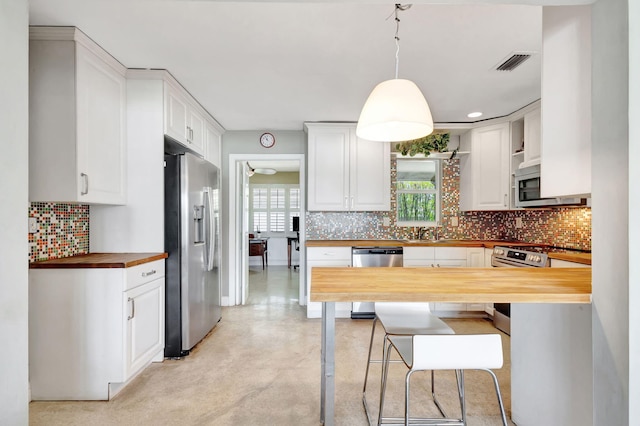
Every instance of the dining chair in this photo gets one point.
(445, 352)
(402, 319)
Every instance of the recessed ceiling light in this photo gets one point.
(474, 114)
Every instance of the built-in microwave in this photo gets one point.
(527, 190)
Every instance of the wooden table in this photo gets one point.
(455, 285)
(291, 241)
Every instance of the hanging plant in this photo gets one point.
(435, 142)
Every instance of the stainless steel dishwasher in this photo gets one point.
(362, 257)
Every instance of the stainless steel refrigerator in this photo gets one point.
(192, 240)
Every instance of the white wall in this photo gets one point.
(14, 188)
(634, 208)
(610, 210)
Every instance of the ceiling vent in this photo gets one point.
(513, 61)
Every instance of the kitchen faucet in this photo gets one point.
(436, 231)
(418, 232)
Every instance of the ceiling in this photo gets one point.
(273, 66)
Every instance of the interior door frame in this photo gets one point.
(239, 259)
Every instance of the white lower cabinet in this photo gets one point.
(92, 329)
(447, 257)
(145, 324)
(318, 257)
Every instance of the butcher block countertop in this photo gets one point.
(569, 256)
(456, 285)
(99, 260)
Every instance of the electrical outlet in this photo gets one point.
(518, 222)
(386, 221)
(33, 225)
(454, 220)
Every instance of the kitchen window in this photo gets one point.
(418, 184)
(273, 208)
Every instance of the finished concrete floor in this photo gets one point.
(261, 366)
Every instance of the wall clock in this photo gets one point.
(267, 140)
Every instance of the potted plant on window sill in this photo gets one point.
(430, 146)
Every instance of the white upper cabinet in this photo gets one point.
(77, 119)
(184, 118)
(213, 144)
(566, 102)
(484, 173)
(532, 134)
(346, 173)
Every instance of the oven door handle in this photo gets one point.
(503, 263)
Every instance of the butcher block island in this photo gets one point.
(95, 321)
(468, 285)
(543, 286)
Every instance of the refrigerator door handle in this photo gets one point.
(210, 236)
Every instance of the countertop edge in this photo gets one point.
(99, 261)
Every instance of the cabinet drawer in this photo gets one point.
(459, 253)
(329, 253)
(418, 253)
(144, 273)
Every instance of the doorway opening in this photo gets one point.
(266, 194)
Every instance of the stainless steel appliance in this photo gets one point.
(514, 257)
(527, 187)
(364, 257)
(192, 217)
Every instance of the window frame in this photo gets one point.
(288, 210)
(437, 192)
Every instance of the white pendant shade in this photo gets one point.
(396, 111)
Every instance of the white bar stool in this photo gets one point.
(405, 319)
(440, 352)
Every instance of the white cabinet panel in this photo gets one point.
(318, 257)
(184, 119)
(145, 324)
(475, 257)
(175, 115)
(454, 253)
(213, 144)
(532, 138)
(328, 160)
(346, 173)
(557, 263)
(484, 173)
(566, 102)
(77, 140)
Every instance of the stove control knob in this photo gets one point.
(536, 259)
(499, 252)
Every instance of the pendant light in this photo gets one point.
(396, 110)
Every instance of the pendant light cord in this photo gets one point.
(397, 38)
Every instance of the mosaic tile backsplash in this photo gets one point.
(562, 227)
(63, 231)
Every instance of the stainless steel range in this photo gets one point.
(514, 257)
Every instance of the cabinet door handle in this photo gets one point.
(505, 200)
(151, 272)
(346, 202)
(85, 184)
(133, 308)
(351, 203)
